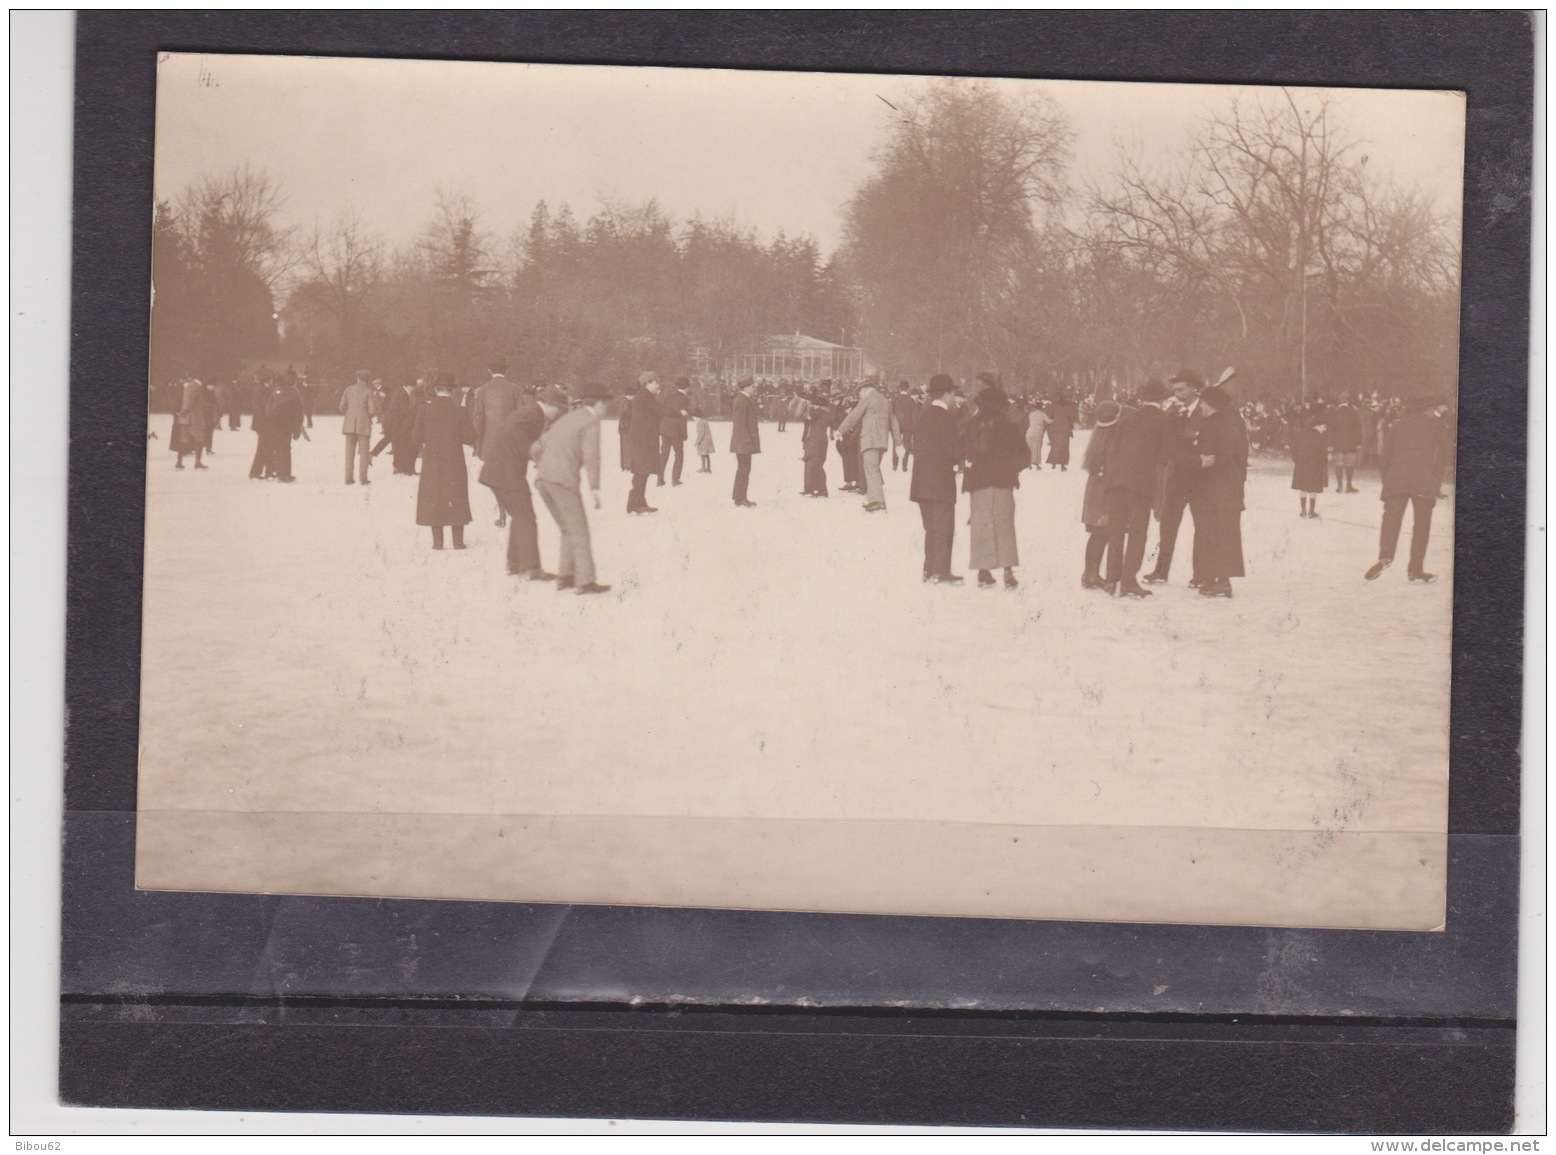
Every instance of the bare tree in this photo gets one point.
(1272, 243)
(232, 253)
(938, 237)
(345, 266)
(229, 221)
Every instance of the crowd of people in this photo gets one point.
(1174, 447)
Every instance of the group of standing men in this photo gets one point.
(278, 420)
(654, 425)
(510, 429)
(1181, 446)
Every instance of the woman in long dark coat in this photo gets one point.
(1310, 464)
(1223, 451)
(996, 453)
(1059, 434)
(442, 430)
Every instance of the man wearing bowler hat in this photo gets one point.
(491, 403)
(1181, 473)
(745, 439)
(503, 472)
(1415, 458)
(571, 445)
(1223, 454)
(1129, 475)
(936, 454)
(359, 405)
(643, 442)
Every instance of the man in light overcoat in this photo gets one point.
(360, 405)
(877, 426)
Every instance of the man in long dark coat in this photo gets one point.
(504, 471)
(1129, 477)
(1223, 452)
(285, 425)
(489, 404)
(443, 428)
(814, 440)
(398, 421)
(1180, 476)
(936, 454)
(745, 440)
(260, 398)
(672, 430)
(1415, 459)
(643, 442)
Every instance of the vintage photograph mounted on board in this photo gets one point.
(802, 491)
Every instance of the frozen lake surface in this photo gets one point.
(305, 650)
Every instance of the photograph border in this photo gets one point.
(1438, 1026)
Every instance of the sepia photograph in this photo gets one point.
(867, 493)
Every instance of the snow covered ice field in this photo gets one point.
(329, 705)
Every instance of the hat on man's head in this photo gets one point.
(498, 364)
(990, 379)
(1186, 377)
(745, 383)
(1425, 401)
(554, 396)
(646, 377)
(1108, 413)
(1218, 398)
(595, 392)
(991, 399)
(442, 379)
(1153, 390)
(940, 384)
(682, 383)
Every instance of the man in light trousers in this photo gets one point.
(360, 405)
(570, 445)
(877, 426)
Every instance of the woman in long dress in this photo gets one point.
(1310, 464)
(191, 425)
(1059, 433)
(996, 453)
(443, 428)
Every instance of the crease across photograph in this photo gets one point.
(800, 491)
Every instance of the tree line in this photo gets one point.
(1268, 244)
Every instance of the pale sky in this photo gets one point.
(772, 149)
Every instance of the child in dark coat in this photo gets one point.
(1310, 468)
